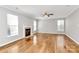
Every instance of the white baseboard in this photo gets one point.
(51, 33)
(64, 34)
(15, 40)
(32, 35)
(9, 42)
(72, 39)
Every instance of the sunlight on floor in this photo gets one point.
(60, 43)
(13, 49)
(34, 39)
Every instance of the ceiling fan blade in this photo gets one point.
(51, 14)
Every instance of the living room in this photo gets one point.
(22, 22)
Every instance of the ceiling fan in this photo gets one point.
(47, 14)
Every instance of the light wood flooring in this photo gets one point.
(42, 43)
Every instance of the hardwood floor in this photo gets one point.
(42, 43)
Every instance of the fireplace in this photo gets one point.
(27, 31)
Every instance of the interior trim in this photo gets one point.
(72, 39)
(51, 33)
(15, 40)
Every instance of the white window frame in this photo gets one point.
(60, 25)
(9, 25)
(35, 25)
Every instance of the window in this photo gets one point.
(60, 25)
(12, 21)
(35, 25)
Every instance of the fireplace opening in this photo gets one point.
(27, 32)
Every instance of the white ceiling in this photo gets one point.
(59, 11)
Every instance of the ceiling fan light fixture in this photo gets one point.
(47, 14)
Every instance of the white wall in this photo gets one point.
(72, 26)
(23, 21)
(48, 26)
